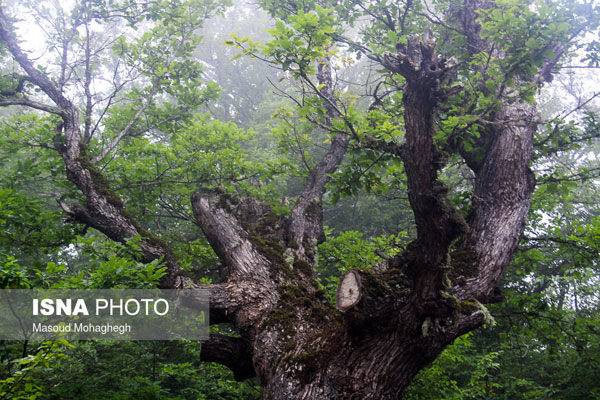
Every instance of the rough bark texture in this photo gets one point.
(388, 323)
(391, 323)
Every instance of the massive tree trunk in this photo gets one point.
(388, 323)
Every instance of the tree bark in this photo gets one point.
(389, 323)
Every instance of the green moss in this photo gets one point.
(154, 239)
(290, 293)
(266, 225)
(324, 310)
(103, 187)
(100, 182)
(269, 220)
(283, 315)
(425, 327)
(313, 211)
(394, 273)
(225, 201)
(289, 257)
(307, 365)
(455, 302)
(308, 247)
(374, 282)
(295, 300)
(463, 262)
(303, 266)
(271, 247)
(262, 234)
(463, 307)
(298, 296)
(468, 306)
(303, 358)
(487, 315)
(282, 318)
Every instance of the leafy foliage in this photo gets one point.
(142, 82)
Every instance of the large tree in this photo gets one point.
(455, 81)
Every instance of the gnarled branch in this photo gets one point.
(229, 240)
(103, 209)
(233, 352)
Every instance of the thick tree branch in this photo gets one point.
(233, 352)
(503, 185)
(501, 200)
(229, 240)
(221, 301)
(37, 77)
(23, 101)
(437, 221)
